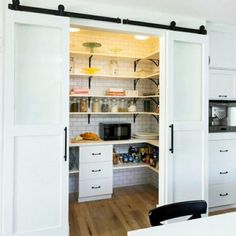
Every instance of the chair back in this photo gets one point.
(175, 210)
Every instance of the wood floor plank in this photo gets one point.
(127, 210)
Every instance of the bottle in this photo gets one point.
(131, 106)
(95, 105)
(83, 105)
(114, 67)
(147, 105)
(74, 107)
(114, 106)
(105, 105)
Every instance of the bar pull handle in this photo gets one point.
(172, 138)
(223, 96)
(96, 187)
(96, 170)
(224, 172)
(96, 154)
(226, 150)
(224, 195)
(65, 155)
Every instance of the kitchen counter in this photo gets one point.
(208, 226)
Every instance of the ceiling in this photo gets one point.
(221, 11)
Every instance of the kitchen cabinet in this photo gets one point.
(222, 172)
(96, 170)
(222, 47)
(186, 118)
(36, 109)
(222, 84)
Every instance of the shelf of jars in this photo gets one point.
(115, 113)
(152, 55)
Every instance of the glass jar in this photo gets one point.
(114, 106)
(122, 106)
(72, 65)
(95, 105)
(114, 67)
(74, 106)
(83, 105)
(105, 105)
(147, 105)
(132, 106)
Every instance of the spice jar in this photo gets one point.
(83, 105)
(114, 106)
(122, 106)
(95, 105)
(105, 105)
(131, 106)
(74, 107)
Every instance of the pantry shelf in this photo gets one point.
(152, 55)
(74, 171)
(133, 76)
(115, 113)
(107, 96)
(134, 165)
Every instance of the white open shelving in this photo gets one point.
(108, 76)
(107, 96)
(152, 55)
(115, 113)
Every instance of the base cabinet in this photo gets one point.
(222, 172)
(96, 171)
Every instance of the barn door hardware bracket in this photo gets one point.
(15, 5)
(172, 26)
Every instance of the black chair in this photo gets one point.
(179, 209)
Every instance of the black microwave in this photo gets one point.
(115, 131)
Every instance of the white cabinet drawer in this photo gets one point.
(95, 153)
(95, 170)
(91, 188)
(222, 151)
(222, 194)
(222, 173)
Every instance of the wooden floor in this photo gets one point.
(222, 212)
(127, 210)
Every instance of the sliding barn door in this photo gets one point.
(186, 118)
(35, 117)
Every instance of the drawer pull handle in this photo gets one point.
(96, 154)
(226, 150)
(224, 195)
(96, 187)
(224, 172)
(223, 96)
(96, 170)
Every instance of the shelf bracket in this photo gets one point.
(155, 61)
(89, 102)
(89, 116)
(134, 117)
(135, 100)
(156, 117)
(135, 64)
(155, 101)
(89, 81)
(90, 61)
(154, 82)
(135, 83)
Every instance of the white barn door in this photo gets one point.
(35, 116)
(187, 118)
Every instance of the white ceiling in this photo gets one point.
(221, 11)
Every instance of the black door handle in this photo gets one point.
(172, 139)
(65, 155)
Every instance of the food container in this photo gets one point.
(147, 105)
(123, 106)
(83, 105)
(95, 105)
(74, 107)
(105, 105)
(131, 106)
(114, 106)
